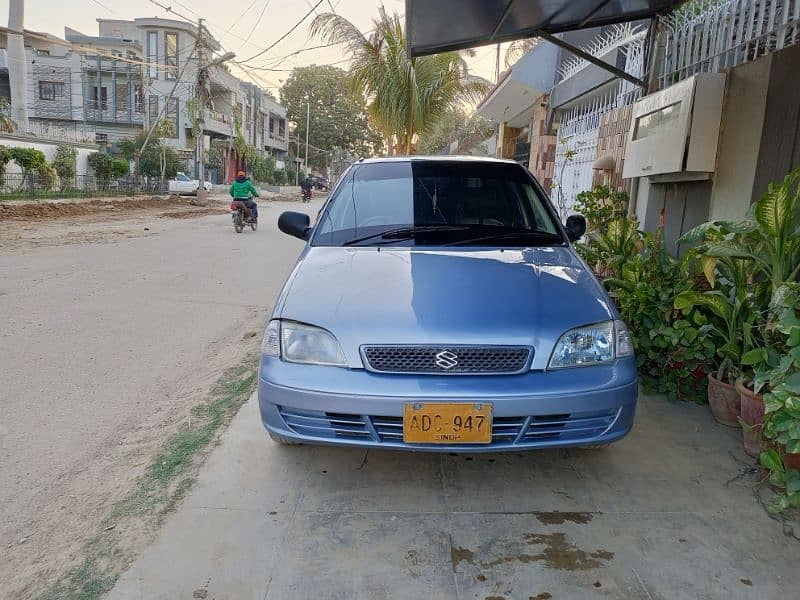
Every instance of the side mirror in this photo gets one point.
(295, 223)
(576, 227)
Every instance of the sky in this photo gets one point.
(242, 26)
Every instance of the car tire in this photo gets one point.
(281, 441)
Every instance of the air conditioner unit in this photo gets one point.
(674, 132)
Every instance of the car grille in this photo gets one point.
(447, 360)
(506, 431)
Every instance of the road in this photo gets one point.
(104, 345)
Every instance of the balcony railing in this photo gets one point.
(46, 131)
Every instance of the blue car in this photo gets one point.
(439, 306)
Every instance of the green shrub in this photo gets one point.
(150, 162)
(673, 347)
(280, 177)
(47, 176)
(118, 168)
(5, 158)
(263, 168)
(29, 159)
(101, 164)
(601, 206)
(291, 176)
(65, 162)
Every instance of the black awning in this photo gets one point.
(439, 25)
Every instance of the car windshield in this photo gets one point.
(430, 202)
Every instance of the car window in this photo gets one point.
(469, 200)
(181, 177)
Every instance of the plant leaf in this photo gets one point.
(793, 383)
(709, 264)
(770, 459)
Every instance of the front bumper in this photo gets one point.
(353, 407)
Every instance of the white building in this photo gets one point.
(113, 85)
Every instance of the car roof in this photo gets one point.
(437, 158)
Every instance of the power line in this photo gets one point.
(169, 9)
(338, 62)
(280, 39)
(101, 5)
(258, 20)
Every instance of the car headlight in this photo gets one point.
(591, 345)
(300, 343)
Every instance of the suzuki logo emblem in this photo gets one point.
(446, 360)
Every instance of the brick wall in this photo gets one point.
(543, 146)
(612, 136)
(60, 108)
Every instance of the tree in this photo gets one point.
(65, 162)
(406, 96)
(455, 125)
(338, 117)
(6, 122)
(157, 159)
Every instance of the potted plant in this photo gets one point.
(785, 480)
(723, 397)
(728, 305)
(782, 382)
(769, 241)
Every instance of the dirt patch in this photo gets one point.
(133, 520)
(54, 210)
(457, 554)
(192, 213)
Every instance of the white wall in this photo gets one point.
(740, 139)
(49, 149)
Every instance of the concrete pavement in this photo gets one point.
(660, 515)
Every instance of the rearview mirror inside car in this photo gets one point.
(576, 227)
(295, 224)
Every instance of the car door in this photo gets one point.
(184, 184)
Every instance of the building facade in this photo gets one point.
(134, 73)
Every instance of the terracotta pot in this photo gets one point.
(752, 415)
(791, 461)
(725, 402)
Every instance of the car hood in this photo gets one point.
(366, 295)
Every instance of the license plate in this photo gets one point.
(447, 423)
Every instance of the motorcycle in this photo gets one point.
(240, 216)
(306, 195)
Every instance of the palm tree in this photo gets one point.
(405, 96)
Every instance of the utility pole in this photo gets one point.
(202, 100)
(201, 95)
(308, 123)
(17, 65)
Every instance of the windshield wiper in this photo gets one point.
(406, 233)
(545, 235)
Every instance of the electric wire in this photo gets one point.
(280, 39)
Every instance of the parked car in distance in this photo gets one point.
(438, 305)
(320, 183)
(183, 185)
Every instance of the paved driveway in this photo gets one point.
(659, 515)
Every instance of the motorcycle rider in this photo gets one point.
(306, 186)
(242, 189)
